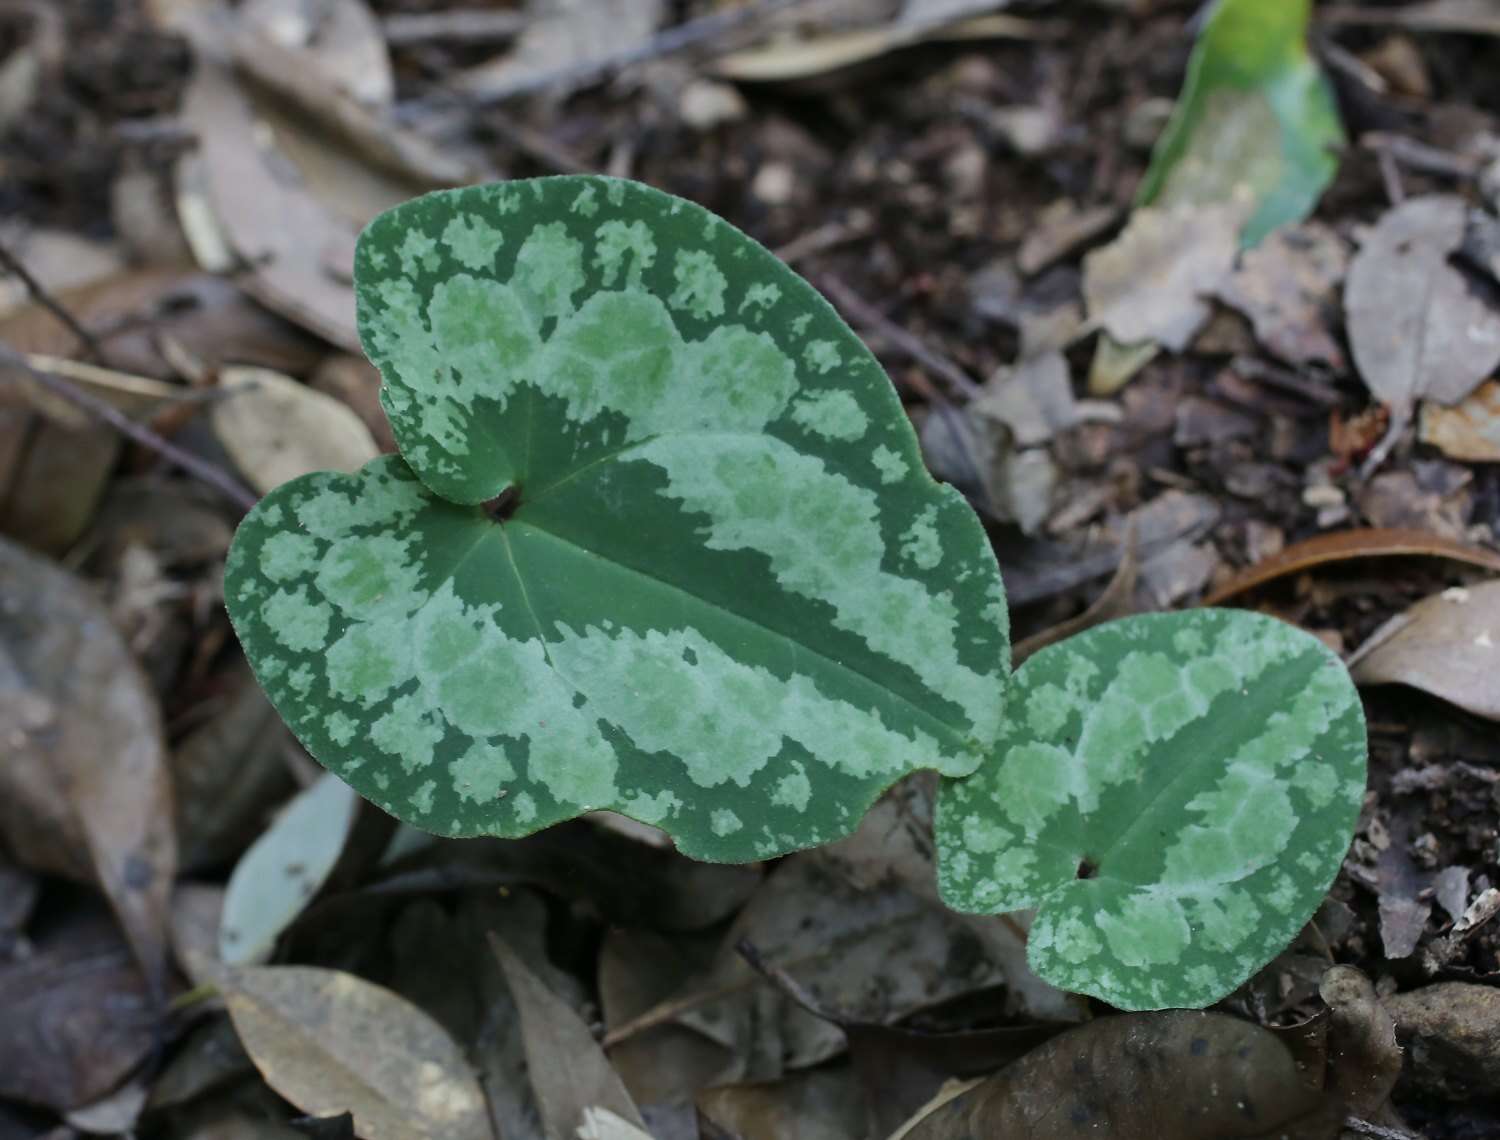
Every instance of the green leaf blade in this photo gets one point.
(1256, 117)
(727, 599)
(1175, 792)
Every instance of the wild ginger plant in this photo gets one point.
(660, 541)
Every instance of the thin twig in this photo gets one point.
(43, 297)
(463, 25)
(863, 313)
(201, 469)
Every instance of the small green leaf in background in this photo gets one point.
(1175, 792)
(1256, 112)
(661, 541)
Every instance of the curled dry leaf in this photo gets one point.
(1349, 545)
(1152, 282)
(1286, 287)
(1447, 645)
(1417, 326)
(84, 789)
(276, 429)
(332, 1043)
(284, 868)
(1222, 1077)
(569, 1071)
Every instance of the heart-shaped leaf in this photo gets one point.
(1175, 792)
(665, 544)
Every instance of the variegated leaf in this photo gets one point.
(664, 544)
(1175, 792)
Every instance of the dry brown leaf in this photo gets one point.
(1152, 282)
(77, 1015)
(825, 1104)
(1478, 17)
(1222, 1077)
(276, 429)
(1061, 228)
(51, 476)
(58, 259)
(208, 316)
(1417, 328)
(84, 790)
(1286, 286)
(1447, 645)
(563, 37)
(342, 39)
(331, 1043)
(134, 395)
(295, 76)
(299, 252)
(1116, 600)
(569, 1071)
(353, 380)
(1470, 430)
(872, 955)
(672, 1063)
(1347, 545)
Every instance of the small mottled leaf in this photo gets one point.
(1256, 114)
(1175, 792)
(661, 541)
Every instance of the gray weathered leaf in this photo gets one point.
(1447, 644)
(83, 790)
(1417, 327)
(284, 869)
(1152, 282)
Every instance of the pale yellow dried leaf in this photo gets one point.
(331, 1043)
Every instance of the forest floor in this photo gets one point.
(181, 185)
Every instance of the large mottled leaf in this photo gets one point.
(1175, 792)
(1256, 115)
(665, 544)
